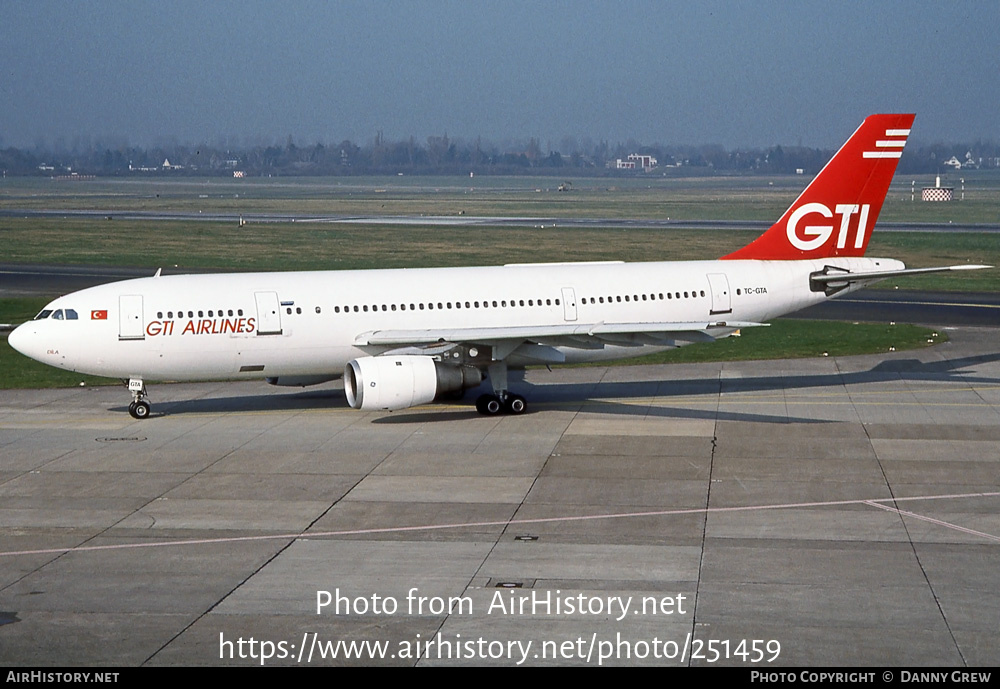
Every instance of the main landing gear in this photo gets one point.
(501, 401)
(509, 403)
(139, 408)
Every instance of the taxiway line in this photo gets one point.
(514, 522)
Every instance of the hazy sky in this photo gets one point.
(740, 74)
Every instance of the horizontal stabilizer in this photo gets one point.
(844, 277)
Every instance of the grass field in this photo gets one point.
(304, 245)
(323, 246)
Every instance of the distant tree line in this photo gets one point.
(441, 155)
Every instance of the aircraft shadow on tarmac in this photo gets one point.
(601, 397)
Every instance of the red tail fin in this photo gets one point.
(835, 214)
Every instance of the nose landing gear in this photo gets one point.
(139, 408)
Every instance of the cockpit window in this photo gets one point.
(58, 315)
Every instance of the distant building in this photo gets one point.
(635, 161)
(968, 164)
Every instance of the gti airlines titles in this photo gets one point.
(821, 233)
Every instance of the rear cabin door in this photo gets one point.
(130, 317)
(721, 299)
(268, 313)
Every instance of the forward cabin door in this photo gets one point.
(721, 299)
(130, 317)
(268, 313)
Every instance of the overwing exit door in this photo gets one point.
(569, 303)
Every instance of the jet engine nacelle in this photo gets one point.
(399, 382)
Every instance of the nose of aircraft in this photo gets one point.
(21, 339)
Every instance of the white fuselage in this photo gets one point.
(309, 324)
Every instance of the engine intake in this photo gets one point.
(400, 382)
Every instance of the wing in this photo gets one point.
(542, 344)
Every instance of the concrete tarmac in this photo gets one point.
(839, 511)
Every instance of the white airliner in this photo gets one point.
(406, 337)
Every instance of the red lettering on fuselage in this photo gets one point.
(155, 328)
(206, 326)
